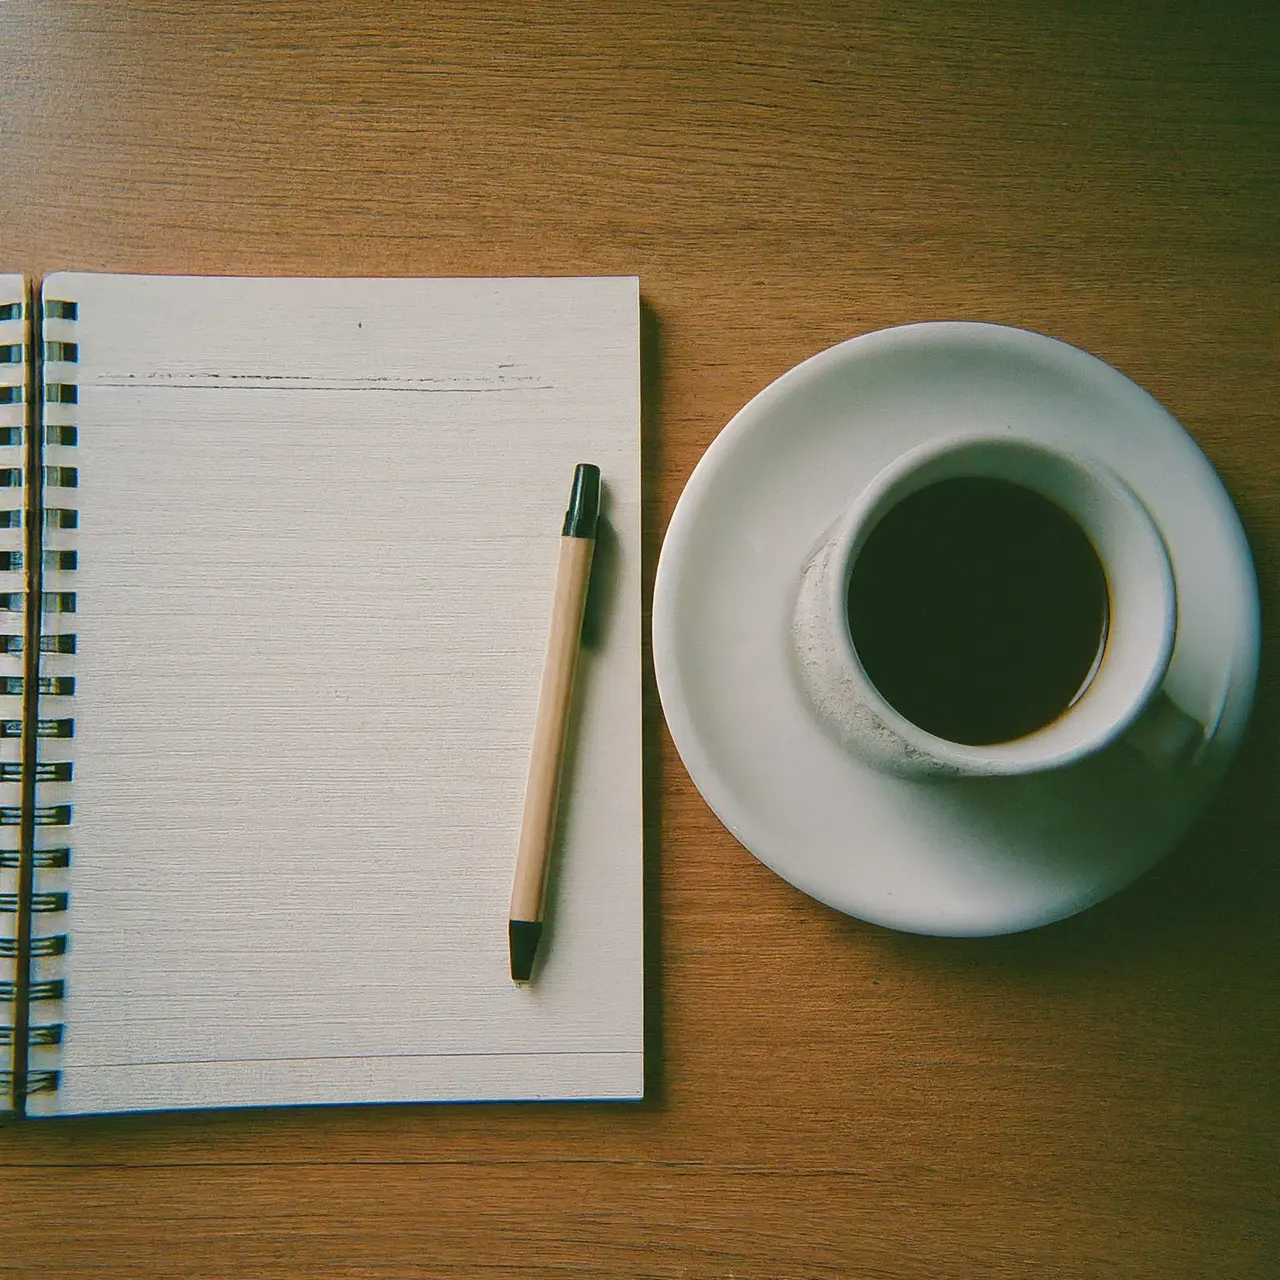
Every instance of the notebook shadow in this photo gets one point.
(600, 617)
(651, 389)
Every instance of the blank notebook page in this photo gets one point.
(317, 542)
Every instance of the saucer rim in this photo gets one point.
(699, 760)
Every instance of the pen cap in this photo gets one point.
(581, 518)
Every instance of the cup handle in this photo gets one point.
(1166, 735)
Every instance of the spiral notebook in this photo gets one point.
(277, 561)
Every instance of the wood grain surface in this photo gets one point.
(827, 1099)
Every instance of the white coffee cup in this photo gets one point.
(1122, 697)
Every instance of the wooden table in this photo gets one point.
(827, 1099)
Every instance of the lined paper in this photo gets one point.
(316, 547)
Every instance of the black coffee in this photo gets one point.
(978, 609)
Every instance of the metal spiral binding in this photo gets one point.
(53, 944)
(51, 1033)
(44, 728)
(28, 678)
(53, 686)
(52, 669)
(37, 1082)
(42, 858)
(48, 644)
(46, 771)
(49, 815)
(17, 409)
(49, 989)
(40, 902)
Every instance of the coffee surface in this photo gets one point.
(978, 609)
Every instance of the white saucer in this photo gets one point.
(963, 857)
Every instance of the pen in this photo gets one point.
(555, 697)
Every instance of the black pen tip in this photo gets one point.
(523, 937)
(581, 518)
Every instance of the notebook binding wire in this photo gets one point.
(38, 563)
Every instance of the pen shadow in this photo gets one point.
(602, 589)
(596, 623)
(599, 618)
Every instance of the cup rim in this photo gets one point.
(1048, 746)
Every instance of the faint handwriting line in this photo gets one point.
(305, 382)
